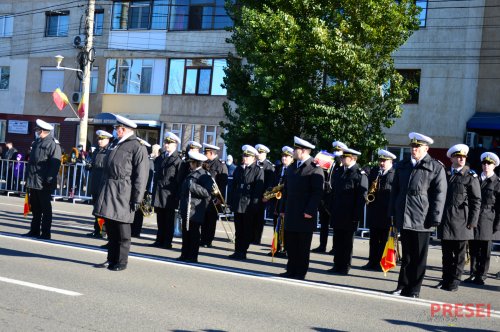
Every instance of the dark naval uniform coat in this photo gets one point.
(268, 168)
(301, 195)
(41, 180)
(349, 191)
(417, 203)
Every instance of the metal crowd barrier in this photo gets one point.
(12, 176)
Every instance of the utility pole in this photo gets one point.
(89, 25)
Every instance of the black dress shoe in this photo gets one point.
(105, 246)
(498, 275)
(117, 267)
(440, 285)
(319, 249)
(299, 277)
(181, 259)
(368, 266)
(31, 234)
(412, 295)
(479, 281)
(331, 252)
(167, 246)
(191, 260)
(44, 237)
(397, 291)
(335, 270)
(104, 265)
(238, 256)
(155, 244)
(469, 280)
(285, 275)
(451, 288)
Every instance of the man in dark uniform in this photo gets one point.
(301, 197)
(461, 213)
(166, 190)
(123, 184)
(349, 192)
(218, 170)
(185, 166)
(417, 203)
(96, 167)
(268, 168)
(247, 190)
(41, 178)
(489, 220)
(378, 221)
(326, 200)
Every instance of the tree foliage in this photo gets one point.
(318, 69)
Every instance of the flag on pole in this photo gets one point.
(27, 207)
(275, 242)
(388, 260)
(100, 222)
(60, 99)
(324, 160)
(82, 107)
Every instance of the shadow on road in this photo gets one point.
(428, 327)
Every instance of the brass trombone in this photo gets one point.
(223, 211)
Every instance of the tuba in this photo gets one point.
(275, 192)
(370, 197)
(147, 208)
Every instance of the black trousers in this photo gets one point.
(137, 224)
(453, 261)
(190, 241)
(41, 208)
(343, 241)
(324, 220)
(209, 225)
(480, 254)
(165, 219)
(298, 246)
(415, 246)
(119, 241)
(243, 224)
(378, 239)
(258, 223)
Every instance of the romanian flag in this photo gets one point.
(60, 99)
(324, 160)
(388, 260)
(100, 222)
(275, 243)
(82, 107)
(27, 207)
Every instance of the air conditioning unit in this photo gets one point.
(79, 41)
(471, 139)
(75, 97)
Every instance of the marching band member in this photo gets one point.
(194, 201)
(378, 221)
(247, 190)
(417, 201)
(301, 197)
(268, 168)
(350, 186)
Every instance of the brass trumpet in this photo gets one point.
(370, 197)
(275, 192)
(223, 211)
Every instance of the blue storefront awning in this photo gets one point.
(483, 120)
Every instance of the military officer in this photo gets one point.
(166, 190)
(489, 220)
(417, 202)
(349, 192)
(268, 168)
(41, 178)
(185, 166)
(247, 190)
(376, 211)
(194, 200)
(301, 197)
(124, 181)
(218, 170)
(96, 167)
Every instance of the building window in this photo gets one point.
(196, 77)
(132, 76)
(4, 78)
(140, 15)
(423, 13)
(57, 24)
(51, 79)
(177, 129)
(3, 130)
(98, 22)
(412, 75)
(199, 15)
(6, 25)
(210, 134)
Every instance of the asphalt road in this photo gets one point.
(53, 286)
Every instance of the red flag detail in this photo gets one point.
(388, 260)
(60, 99)
(27, 207)
(100, 222)
(82, 107)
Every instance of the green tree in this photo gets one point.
(319, 69)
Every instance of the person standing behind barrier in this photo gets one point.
(376, 211)
(123, 184)
(247, 190)
(166, 188)
(268, 168)
(18, 172)
(348, 201)
(95, 167)
(139, 214)
(219, 172)
(41, 179)
(489, 220)
(417, 202)
(194, 199)
(302, 191)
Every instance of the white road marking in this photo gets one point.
(261, 276)
(37, 286)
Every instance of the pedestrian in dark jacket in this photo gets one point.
(218, 170)
(186, 165)
(166, 190)
(123, 184)
(377, 217)
(461, 213)
(268, 168)
(417, 203)
(194, 199)
(41, 178)
(96, 167)
(301, 197)
(349, 192)
(247, 190)
(489, 220)
(10, 152)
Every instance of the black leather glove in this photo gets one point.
(135, 206)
